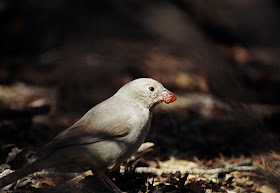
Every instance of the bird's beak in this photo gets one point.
(168, 97)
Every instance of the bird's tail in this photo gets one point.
(22, 172)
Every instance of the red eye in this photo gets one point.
(151, 88)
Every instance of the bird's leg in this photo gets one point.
(99, 177)
(103, 178)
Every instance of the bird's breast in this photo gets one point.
(140, 126)
(137, 135)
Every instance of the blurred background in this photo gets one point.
(221, 58)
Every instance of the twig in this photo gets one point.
(224, 170)
(243, 166)
(53, 174)
(241, 163)
(79, 177)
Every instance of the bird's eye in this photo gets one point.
(151, 88)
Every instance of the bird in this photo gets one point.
(105, 136)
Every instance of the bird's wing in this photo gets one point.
(76, 135)
(93, 128)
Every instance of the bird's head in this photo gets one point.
(146, 92)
